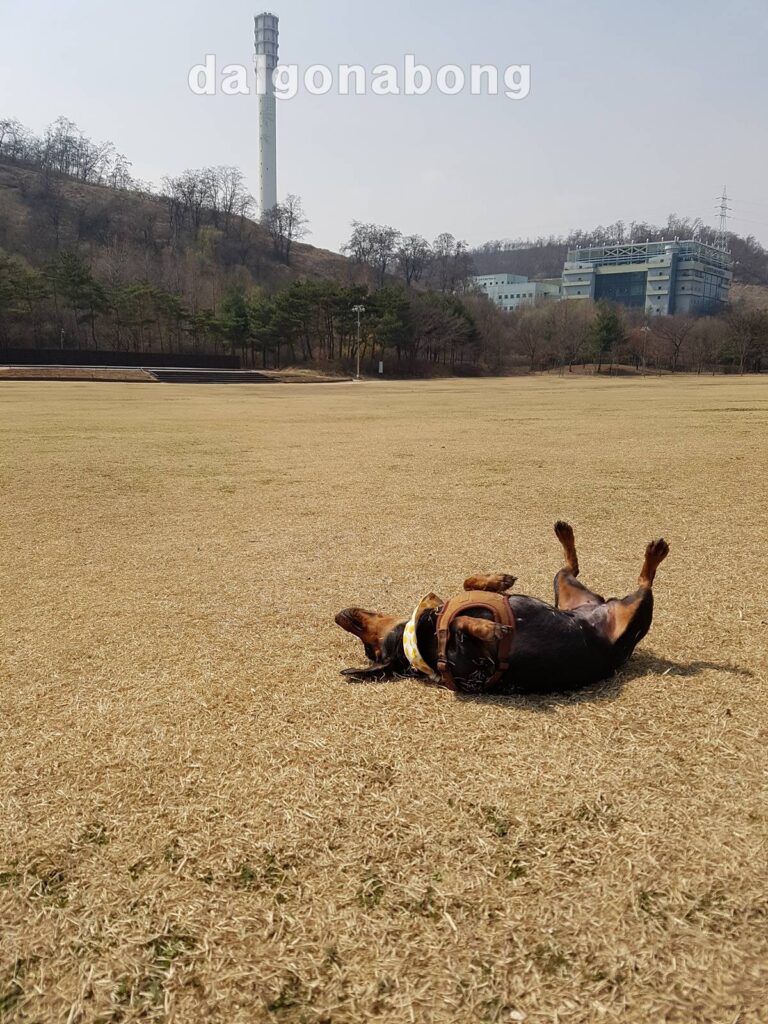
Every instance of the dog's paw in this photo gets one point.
(501, 631)
(657, 551)
(564, 531)
(480, 629)
(497, 583)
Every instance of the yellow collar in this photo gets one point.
(409, 637)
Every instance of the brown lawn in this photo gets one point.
(203, 822)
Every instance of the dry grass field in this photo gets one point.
(203, 822)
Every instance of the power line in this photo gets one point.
(748, 202)
(749, 220)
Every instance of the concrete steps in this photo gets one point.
(167, 375)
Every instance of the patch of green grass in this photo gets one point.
(51, 885)
(515, 870)
(94, 833)
(137, 869)
(332, 958)
(597, 812)
(499, 823)
(10, 996)
(11, 989)
(424, 906)
(173, 854)
(289, 996)
(271, 874)
(550, 959)
(371, 891)
(167, 948)
(247, 877)
(275, 872)
(148, 990)
(385, 987)
(648, 901)
(710, 909)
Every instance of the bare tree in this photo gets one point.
(747, 333)
(375, 246)
(707, 342)
(452, 263)
(233, 198)
(187, 198)
(529, 335)
(443, 248)
(674, 332)
(413, 255)
(13, 135)
(119, 175)
(569, 325)
(286, 224)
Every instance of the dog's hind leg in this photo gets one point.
(630, 618)
(655, 554)
(569, 592)
(564, 533)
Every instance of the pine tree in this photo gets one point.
(607, 333)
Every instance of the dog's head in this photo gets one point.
(382, 639)
(471, 648)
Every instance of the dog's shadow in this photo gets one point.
(546, 701)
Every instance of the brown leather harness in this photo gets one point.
(498, 605)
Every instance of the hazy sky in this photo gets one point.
(636, 109)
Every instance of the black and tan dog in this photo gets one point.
(489, 641)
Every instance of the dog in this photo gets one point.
(486, 640)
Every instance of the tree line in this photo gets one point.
(414, 331)
(186, 271)
(64, 149)
(444, 265)
(608, 339)
(544, 256)
(64, 304)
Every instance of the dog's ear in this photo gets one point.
(384, 671)
(372, 628)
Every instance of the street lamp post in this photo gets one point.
(646, 330)
(359, 310)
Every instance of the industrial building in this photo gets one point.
(663, 278)
(267, 51)
(509, 291)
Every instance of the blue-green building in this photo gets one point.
(663, 278)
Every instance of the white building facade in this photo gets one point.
(510, 291)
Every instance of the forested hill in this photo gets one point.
(544, 257)
(131, 234)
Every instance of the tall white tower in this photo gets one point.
(267, 38)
